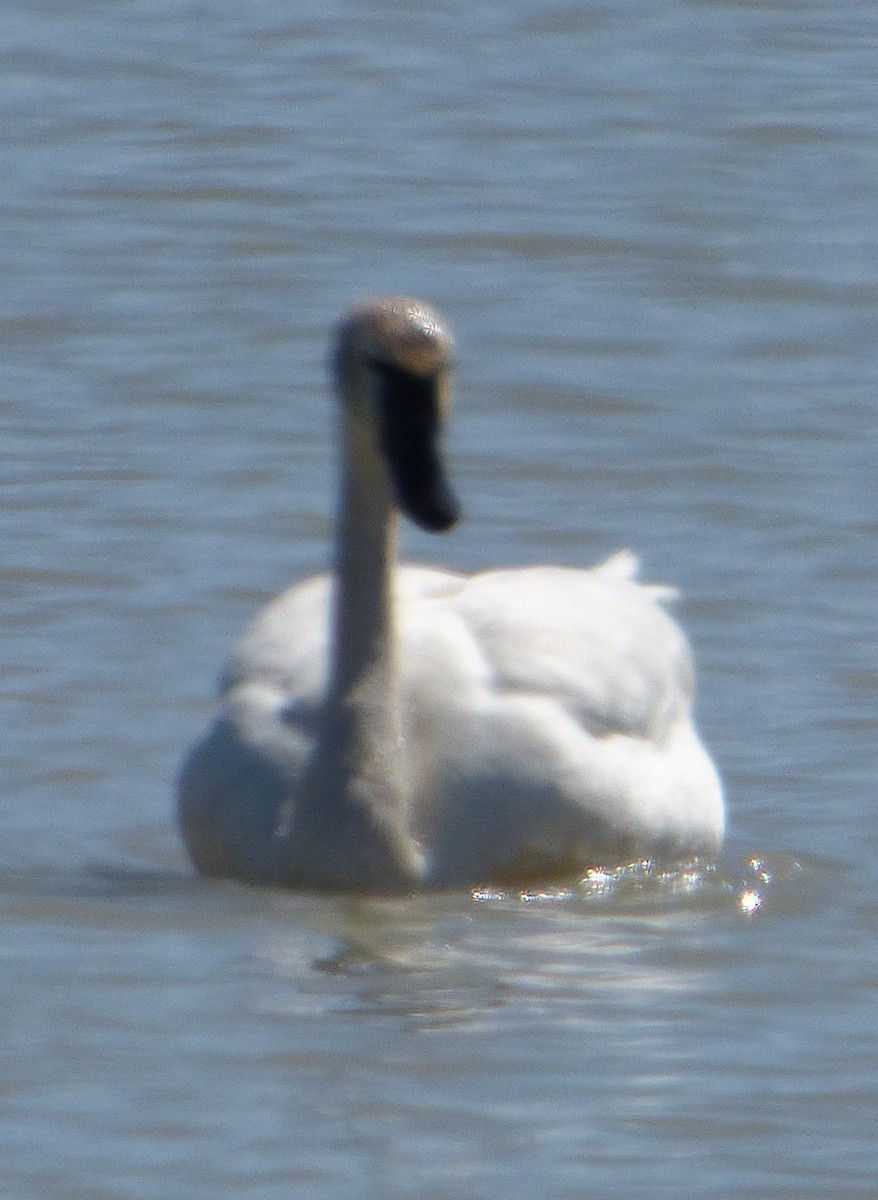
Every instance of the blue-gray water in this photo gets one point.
(654, 229)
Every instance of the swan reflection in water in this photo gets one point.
(387, 729)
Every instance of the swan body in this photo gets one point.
(385, 728)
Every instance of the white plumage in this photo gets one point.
(393, 728)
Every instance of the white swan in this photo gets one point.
(393, 728)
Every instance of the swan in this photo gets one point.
(385, 729)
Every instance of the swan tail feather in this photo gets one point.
(626, 565)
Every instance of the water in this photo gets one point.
(653, 228)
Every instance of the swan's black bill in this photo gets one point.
(410, 429)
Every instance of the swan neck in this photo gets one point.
(357, 775)
(366, 546)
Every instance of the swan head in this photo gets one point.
(393, 365)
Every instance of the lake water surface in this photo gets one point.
(654, 230)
